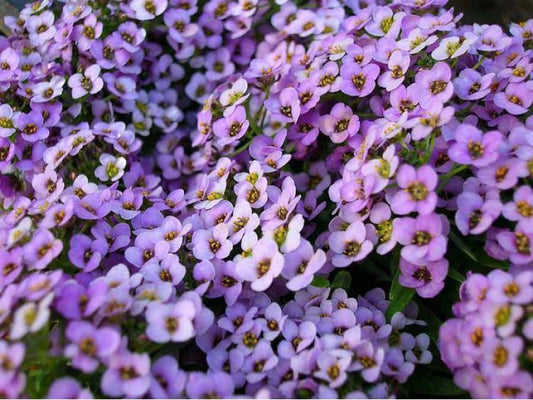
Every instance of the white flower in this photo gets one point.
(31, 317)
(112, 168)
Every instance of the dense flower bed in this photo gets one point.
(264, 198)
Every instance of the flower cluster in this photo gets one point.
(176, 175)
(320, 344)
(488, 345)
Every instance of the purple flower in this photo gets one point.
(88, 82)
(301, 265)
(417, 190)
(471, 85)
(12, 356)
(42, 249)
(31, 127)
(211, 243)
(501, 356)
(369, 360)
(340, 123)
(90, 344)
(227, 283)
(422, 237)
(46, 91)
(419, 353)
(521, 208)
(516, 99)
(68, 388)
(86, 253)
(396, 366)
(427, 277)
(505, 287)
(434, 85)
(473, 147)
(285, 106)
(260, 362)
(147, 248)
(171, 322)
(128, 374)
(357, 81)
(273, 321)
(231, 128)
(116, 236)
(75, 301)
(518, 243)
(474, 214)
(9, 59)
(210, 385)
(519, 385)
(296, 338)
(86, 33)
(332, 369)
(41, 27)
(167, 380)
(397, 67)
(503, 174)
(243, 220)
(350, 245)
(219, 64)
(263, 264)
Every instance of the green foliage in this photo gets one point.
(342, 280)
(320, 281)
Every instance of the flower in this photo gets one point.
(350, 245)
(301, 265)
(427, 277)
(87, 83)
(8, 120)
(167, 322)
(111, 168)
(422, 237)
(90, 343)
(263, 264)
(127, 375)
(212, 243)
(474, 147)
(68, 388)
(30, 317)
(42, 249)
(340, 124)
(434, 85)
(417, 190)
(148, 9)
(358, 81)
(516, 100)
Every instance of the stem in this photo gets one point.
(241, 149)
(363, 115)
(479, 62)
(447, 177)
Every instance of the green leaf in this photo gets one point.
(320, 281)
(434, 385)
(488, 261)
(434, 322)
(399, 296)
(342, 280)
(463, 246)
(375, 270)
(456, 275)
